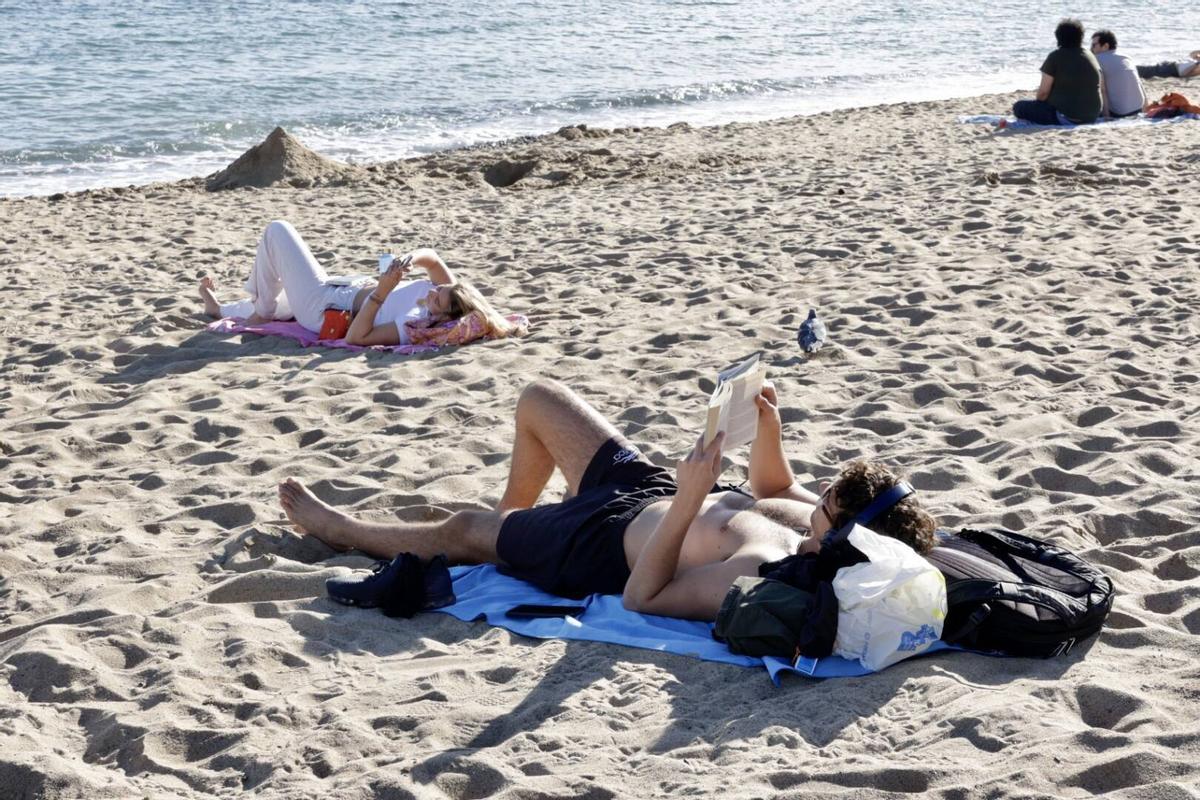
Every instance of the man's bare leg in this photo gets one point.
(465, 537)
(554, 427)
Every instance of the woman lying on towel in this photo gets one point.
(287, 282)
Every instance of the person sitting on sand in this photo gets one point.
(670, 546)
(1070, 91)
(1123, 94)
(1188, 68)
(287, 282)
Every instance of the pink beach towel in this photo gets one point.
(293, 330)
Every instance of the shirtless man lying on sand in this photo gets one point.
(670, 546)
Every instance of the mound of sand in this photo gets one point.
(281, 160)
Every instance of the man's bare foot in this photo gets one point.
(313, 517)
(208, 295)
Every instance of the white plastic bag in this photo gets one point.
(890, 607)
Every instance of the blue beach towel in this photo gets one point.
(484, 593)
(1014, 124)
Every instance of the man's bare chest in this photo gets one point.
(727, 524)
(734, 523)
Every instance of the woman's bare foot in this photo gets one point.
(208, 295)
(313, 517)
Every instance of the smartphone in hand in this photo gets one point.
(386, 260)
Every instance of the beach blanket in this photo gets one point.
(294, 330)
(1014, 124)
(484, 593)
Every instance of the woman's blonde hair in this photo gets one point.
(465, 299)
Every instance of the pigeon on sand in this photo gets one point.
(812, 333)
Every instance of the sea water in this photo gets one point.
(99, 93)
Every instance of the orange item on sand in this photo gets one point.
(1172, 104)
(335, 324)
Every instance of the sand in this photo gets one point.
(1012, 321)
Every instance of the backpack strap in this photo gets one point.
(1006, 545)
(968, 625)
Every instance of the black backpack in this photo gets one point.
(1014, 595)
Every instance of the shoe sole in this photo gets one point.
(350, 601)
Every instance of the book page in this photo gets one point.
(732, 408)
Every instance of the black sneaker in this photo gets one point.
(400, 587)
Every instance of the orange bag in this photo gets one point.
(335, 324)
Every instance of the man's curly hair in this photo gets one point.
(862, 481)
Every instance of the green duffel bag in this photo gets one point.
(762, 617)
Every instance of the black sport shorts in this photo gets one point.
(577, 547)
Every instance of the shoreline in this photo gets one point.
(1011, 324)
(1003, 100)
(533, 138)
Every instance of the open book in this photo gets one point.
(732, 408)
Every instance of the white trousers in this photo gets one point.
(287, 281)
